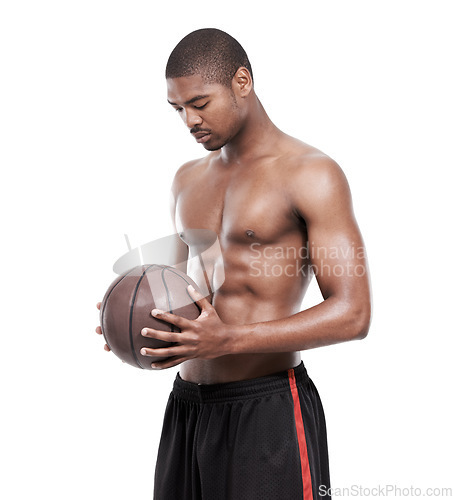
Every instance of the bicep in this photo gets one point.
(336, 248)
(180, 249)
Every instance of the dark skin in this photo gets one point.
(280, 208)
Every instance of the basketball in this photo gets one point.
(126, 309)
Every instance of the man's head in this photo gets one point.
(211, 53)
(209, 78)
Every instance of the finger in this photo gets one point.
(178, 321)
(98, 305)
(198, 298)
(106, 348)
(161, 335)
(168, 363)
(164, 352)
(98, 330)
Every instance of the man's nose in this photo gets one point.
(193, 118)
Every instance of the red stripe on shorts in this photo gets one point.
(306, 476)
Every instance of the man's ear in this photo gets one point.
(242, 82)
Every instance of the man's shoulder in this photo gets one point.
(189, 170)
(189, 167)
(307, 163)
(313, 179)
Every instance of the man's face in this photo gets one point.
(209, 110)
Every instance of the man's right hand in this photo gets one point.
(98, 329)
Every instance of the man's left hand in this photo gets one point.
(204, 338)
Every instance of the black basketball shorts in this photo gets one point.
(262, 438)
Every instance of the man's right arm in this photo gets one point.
(180, 249)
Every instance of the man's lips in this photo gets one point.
(201, 136)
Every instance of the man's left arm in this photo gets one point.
(321, 195)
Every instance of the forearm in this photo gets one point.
(330, 322)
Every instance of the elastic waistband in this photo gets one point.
(241, 389)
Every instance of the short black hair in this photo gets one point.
(209, 52)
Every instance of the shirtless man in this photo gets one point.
(244, 420)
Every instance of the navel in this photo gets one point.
(250, 233)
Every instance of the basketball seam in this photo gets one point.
(105, 303)
(131, 339)
(168, 297)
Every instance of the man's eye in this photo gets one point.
(178, 110)
(201, 107)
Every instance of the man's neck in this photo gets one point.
(255, 138)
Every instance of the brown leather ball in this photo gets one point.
(127, 305)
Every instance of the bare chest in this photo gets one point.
(236, 208)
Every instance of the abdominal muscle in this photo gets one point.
(249, 297)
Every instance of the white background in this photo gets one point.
(89, 147)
